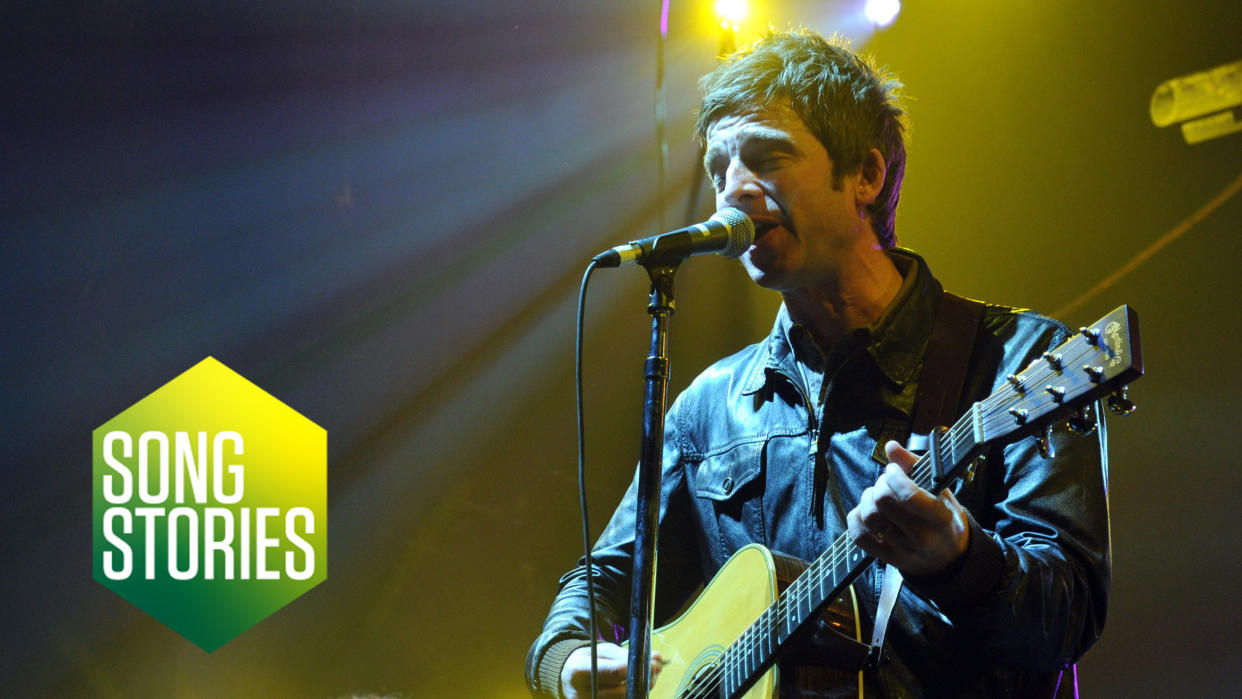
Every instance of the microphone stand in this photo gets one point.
(646, 521)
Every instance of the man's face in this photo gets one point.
(767, 164)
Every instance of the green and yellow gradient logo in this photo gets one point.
(210, 504)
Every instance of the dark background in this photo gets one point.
(378, 211)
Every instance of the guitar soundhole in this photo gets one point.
(703, 679)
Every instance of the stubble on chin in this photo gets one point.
(767, 274)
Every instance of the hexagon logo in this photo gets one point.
(210, 504)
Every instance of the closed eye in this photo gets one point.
(767, 164)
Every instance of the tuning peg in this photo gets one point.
(1082, 422)
(1093, 336)
(1054, 360)
(1095, 372)
(1120, 404)
(1019, 415)
(1046, 449)
(1016, 381)
(1057, 393)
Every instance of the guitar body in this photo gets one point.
(748, 583)
(692, 644)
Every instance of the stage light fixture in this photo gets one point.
(1207, 103)
(882, 12)
(731, 12)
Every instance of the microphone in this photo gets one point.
(728, 232)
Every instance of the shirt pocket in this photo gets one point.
(728, 495)
(719, 477)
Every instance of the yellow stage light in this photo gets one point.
(731, 12)
(882, 12)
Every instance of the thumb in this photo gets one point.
(900, 455)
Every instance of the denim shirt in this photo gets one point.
(754, 452)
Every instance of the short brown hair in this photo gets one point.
(844, 99)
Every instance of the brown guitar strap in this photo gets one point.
(935, 404)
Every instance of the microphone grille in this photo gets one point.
(741, 230)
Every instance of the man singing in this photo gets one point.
(797, 439)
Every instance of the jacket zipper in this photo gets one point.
(812, 428)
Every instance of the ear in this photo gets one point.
(870, 178)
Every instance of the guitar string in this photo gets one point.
(960, 435)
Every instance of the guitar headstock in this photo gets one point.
(1101, 358)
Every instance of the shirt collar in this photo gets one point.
(899, 336)
(895, 342)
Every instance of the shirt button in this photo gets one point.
(727, 485)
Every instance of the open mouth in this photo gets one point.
(762, 227)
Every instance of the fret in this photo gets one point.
(821, 579)
(963, 444)
(787, 631)
(777, 624)
(739, 662)
(770, 631)
(805, 600)
(753, 658)
(763, 648)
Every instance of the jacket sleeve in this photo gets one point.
(1033, 585)
(567, 625)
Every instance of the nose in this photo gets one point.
(740, 188)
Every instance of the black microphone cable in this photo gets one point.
(582, 494)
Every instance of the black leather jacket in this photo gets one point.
(750, 457)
